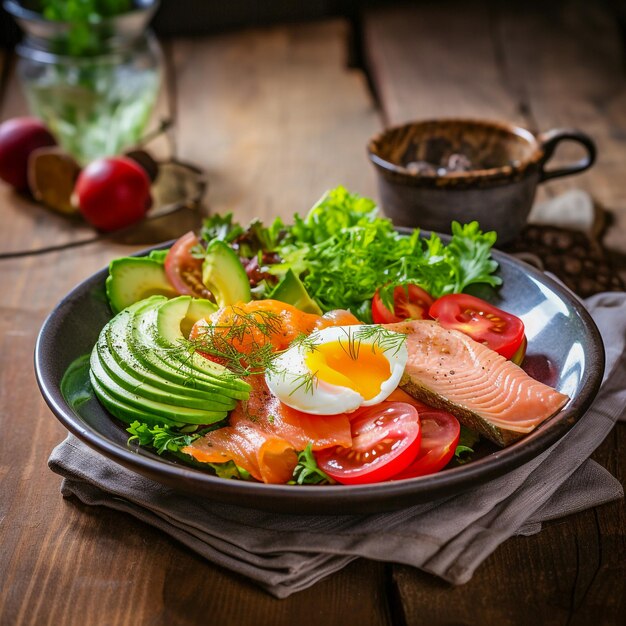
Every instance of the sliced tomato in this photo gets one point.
(440, 436)
(483, 322)
(183, 270)
(409, 302)
(385, 440)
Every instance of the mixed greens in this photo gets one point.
(343, 251)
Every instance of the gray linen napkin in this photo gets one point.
(449, 537)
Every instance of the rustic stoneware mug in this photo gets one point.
(433, 172)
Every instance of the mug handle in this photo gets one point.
(548, 143)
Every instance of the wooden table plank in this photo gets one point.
(542, 68)
(438, 60)
(246, 101)
(282, 119)
(573, 75)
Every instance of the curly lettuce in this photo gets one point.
(344, 251)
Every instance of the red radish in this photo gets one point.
(18, 138)
(112, 193)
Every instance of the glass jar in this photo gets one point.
(96, 101)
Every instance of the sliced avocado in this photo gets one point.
(185, 366)
(199, 309)
(134, 278)
(158, 255)
(176, 317)
(291, 290)
(127, 413)
(187, 360)
(224, 276)
(120, 348)
(169, 318)
(169, 395)
(133, 398)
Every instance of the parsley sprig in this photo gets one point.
(161, 438)
(307, 472)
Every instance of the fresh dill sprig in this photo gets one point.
(246, 323)
(353, 345)
(384, 339)
(225, 342)
(307, 381)
(309, 343)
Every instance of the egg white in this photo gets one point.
(293, 383)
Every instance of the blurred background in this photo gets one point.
(199, 17)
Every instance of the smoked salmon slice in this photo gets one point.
(489, 394)
(264, 436)
(269, 414)
(269, 459)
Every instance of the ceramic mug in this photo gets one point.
(495, 168)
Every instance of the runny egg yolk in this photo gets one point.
(364, 371)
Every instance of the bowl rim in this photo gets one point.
(505, 172)
(367, 498)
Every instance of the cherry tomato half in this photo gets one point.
(440, 436)
(482, 321)
(385, 440)
(409, 302)
(184, 270)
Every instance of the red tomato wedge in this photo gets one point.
(440, 436)
(483, 322)
(409, 302)
(183, 270)
(385, 440)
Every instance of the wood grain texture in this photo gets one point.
(275, 117)
(64, 563)
(573, 75)
(437, 60)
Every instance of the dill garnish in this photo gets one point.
(243, 344)
(384, 339)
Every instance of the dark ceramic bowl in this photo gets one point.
(433, 172)
(564, 350)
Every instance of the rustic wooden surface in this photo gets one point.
(276, 116)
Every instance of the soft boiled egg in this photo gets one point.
(338, 369)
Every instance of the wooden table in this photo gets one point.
(276, 116)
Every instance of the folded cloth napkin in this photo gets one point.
(448, 537)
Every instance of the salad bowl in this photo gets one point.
(564, 351)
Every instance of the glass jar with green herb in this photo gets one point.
(91, 70)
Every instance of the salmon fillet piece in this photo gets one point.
(488, 393)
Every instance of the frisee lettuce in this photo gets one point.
(343, 251)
